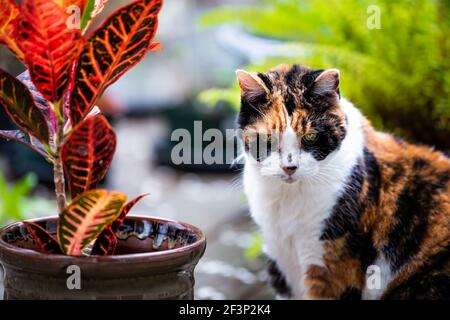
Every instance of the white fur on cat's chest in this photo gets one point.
(291, 218)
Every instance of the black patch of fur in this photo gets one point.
(414, 205)
(277, 279)
(294, 75)
(309, 78)
(251, 110)
(289, 102)
(398, 169)
(359, 242)
(344, 220)
(266, 81)
(294, 84)
(373, 175)
(301, 79)
(360, 245)
(312, 101)
(347, 210)
(331, 132)
(431, 282)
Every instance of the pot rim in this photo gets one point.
(132, 257)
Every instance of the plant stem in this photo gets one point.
(58, 168)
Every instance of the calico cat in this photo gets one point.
(337, 201)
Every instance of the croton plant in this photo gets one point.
(53, 105)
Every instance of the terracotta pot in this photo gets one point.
(155, 259)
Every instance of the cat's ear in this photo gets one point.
(327, 83)
(251, 85)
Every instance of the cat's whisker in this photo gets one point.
(236, 183)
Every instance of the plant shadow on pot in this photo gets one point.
(155, 259)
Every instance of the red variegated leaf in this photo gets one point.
(20, 106)
(119, 44)
(106, 242)
(41, 103)
(47, 244)
(86, 217)
(8, 13)
(49, 45)
(87, 153)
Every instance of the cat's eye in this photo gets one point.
(310, 137)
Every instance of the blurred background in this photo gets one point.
(394, 59)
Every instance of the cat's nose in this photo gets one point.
(290, 169)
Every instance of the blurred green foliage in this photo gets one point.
(254, 249)
(11, 197)
(398, 74)
(16, 203)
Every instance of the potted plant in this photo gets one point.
(91, 250)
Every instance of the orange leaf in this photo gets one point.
(50, 46)
(86, 217)
(8, 14)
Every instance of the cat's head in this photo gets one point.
(292, 120)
